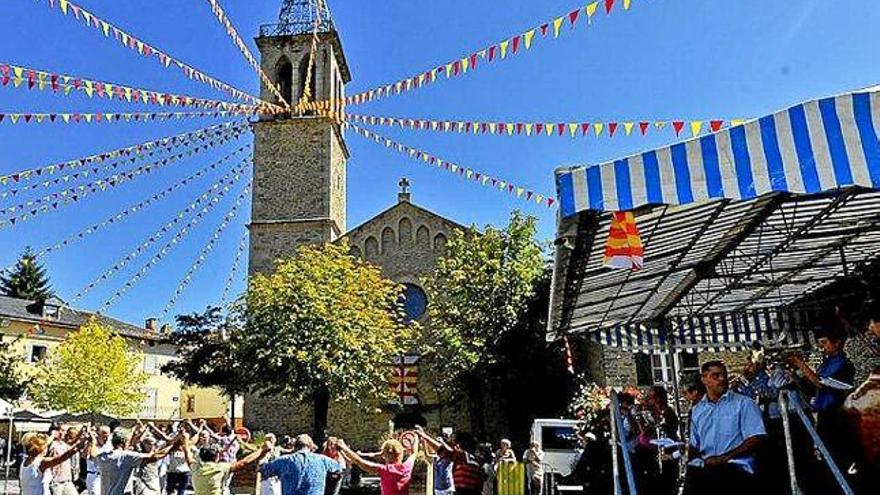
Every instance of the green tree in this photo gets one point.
(208, 350)
(478, 294)
(27, 280)
(92, 371)
(324, 325)
(12, 385)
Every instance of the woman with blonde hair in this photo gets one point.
(34, 475)
(395, 474)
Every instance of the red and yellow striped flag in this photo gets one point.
(624, 247)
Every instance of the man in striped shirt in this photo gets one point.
(467, 476)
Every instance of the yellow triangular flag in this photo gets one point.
(88, 117)
(548, 126)
(65, 117)
(503, 46)
(628, 127)
(696, 127)
(736, 122)
(492, 127)
(557, 23)
(529, 129)
(465, 63)
(63, 5)
(660, 124)
(528, 38)
(591, 9)
(448, 70)
(626, 4)
(598, 128)
(519, 191)
(106, 28)
(476, 127)
(509, 128)
(573, 128)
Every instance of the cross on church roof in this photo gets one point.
(403, 196)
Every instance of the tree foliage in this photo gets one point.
(324, 324)
(27, 280)
(208, 351)
(12, 384)
(92, 371)
(478, 294)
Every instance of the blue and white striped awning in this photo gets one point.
(812, 147)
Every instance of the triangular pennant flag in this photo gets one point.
(573, 16)
(678, 126)
(591, 10)
(626, 4)
(573, 128)
(628, 127)
(527, 38)
(609, 4)
(597, 127)
(716, 125)
(612, 128)
(503, 46)
(557, 23)
(696, 127)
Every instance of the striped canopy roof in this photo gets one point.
(812, 147)
(739, 228)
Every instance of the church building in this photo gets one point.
(299, 197)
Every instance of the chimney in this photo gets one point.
(404, 195)
(151, 324)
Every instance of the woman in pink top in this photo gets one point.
(395, 474)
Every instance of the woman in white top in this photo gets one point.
(34, 475)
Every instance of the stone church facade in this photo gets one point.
(299, 197)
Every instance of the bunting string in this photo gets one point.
(507, 48)
(109, 118)
(463, 172)
(25, 77)
(198, 208)
(252, 61)
(204, 253)
(229, 135)
(307, 86)
(169, 246)
(571, 129)
(138, 149)
(236, 263)
(52, 202)
(67, 8)
(138, 207)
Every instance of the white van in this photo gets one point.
(559, 442)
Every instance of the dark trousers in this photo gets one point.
(177, 483)
(728, 479)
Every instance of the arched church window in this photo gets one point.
(387, 240)
(423, 237)
(371, 248)
(405, 230)
(284, 78)
(440, 243)
(415, 302)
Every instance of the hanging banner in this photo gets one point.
(307, 95)
(404, 381)
(624, 248)
(549, 129)
(204, 254)
(243, 48)
(108, 118)
(50, 181)
(135, 208)
(138, 149)
(199, 207)
(507, 48)
(463, 172)
(169, 246)
(68, 8)
(25, 77)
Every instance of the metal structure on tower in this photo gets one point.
(298, 17)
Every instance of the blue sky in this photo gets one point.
(662, 60)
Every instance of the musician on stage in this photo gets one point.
(726, 431)
(658, 430)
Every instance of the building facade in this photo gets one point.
(40, 327)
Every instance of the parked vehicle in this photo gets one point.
(559, 442)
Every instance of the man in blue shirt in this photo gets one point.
(302, 472)
(726, 430)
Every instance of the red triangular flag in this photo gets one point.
(643, 127)
(515, 43)
(677, 125)
(585, 128)
(544, 28)
(573, 16)
(609, 4)
(612, 128)
(716, 125)
(560, 128)
(492, 50)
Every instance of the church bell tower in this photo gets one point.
(299, 158)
